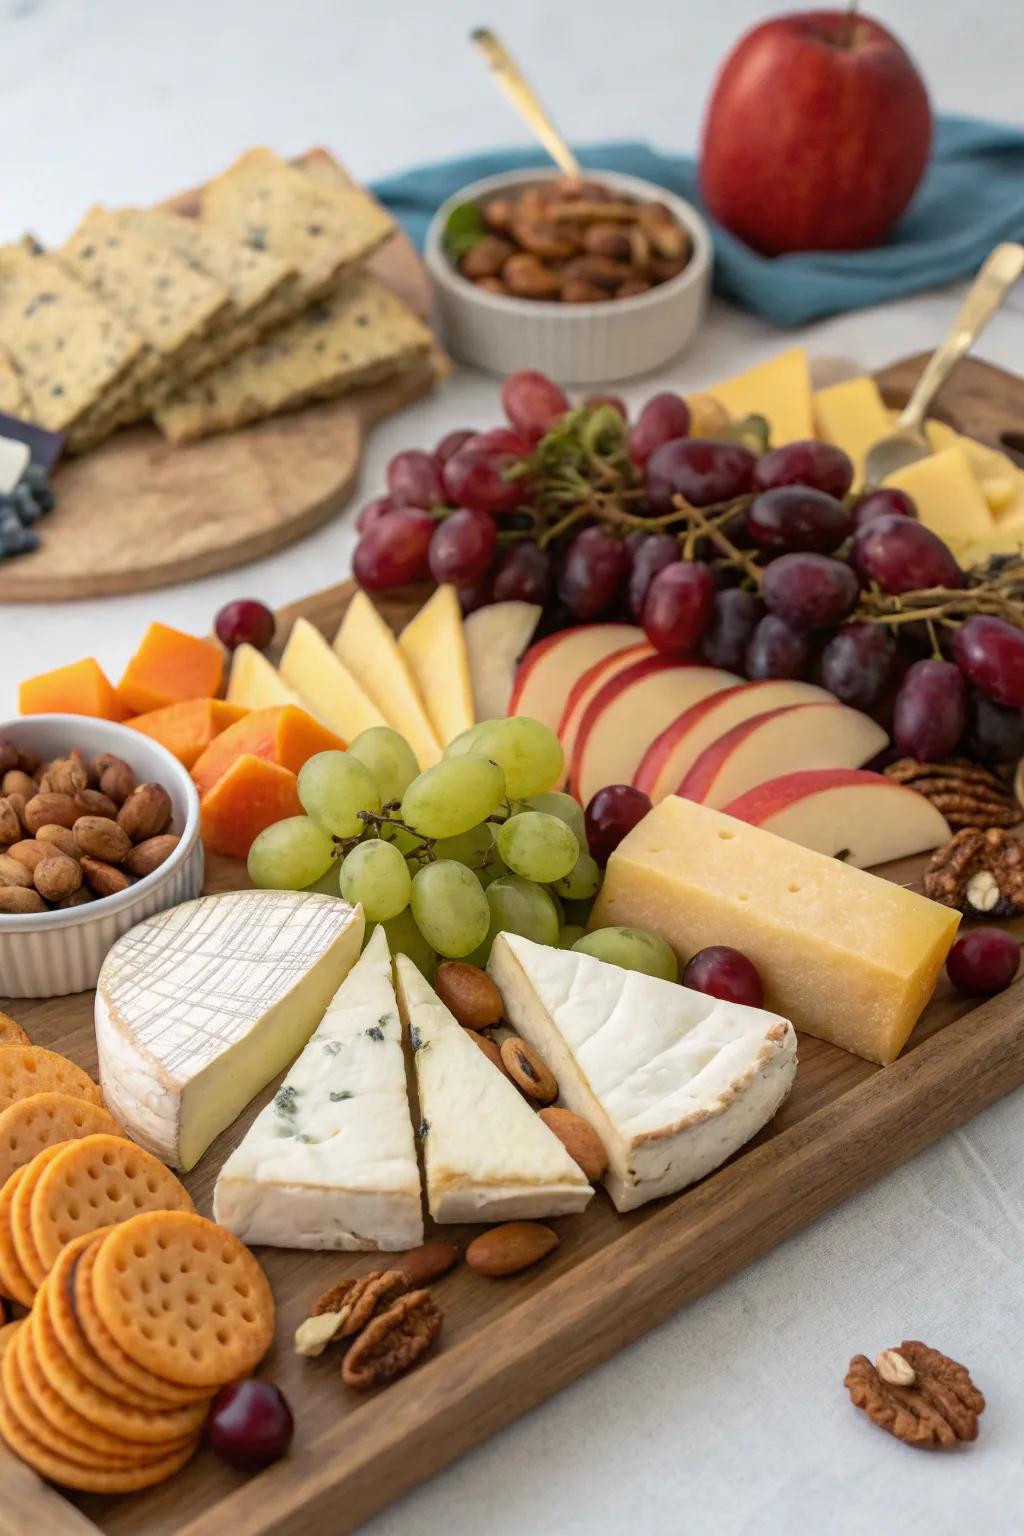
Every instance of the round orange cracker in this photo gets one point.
(94, 1182)
(27, 1069)
(43, 1120)
(24, 1407)
(7, 1336)
(72, 1474)
(21, 1219)
(12, 1033)
(13, 1280)
(184, 1298)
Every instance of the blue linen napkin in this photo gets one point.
(972, 197)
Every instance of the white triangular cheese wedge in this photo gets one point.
(673, 1081)
(370, 652)
(330, 1162)
(488, 1157)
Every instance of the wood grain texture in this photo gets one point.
(506, 1345)
(138, 513)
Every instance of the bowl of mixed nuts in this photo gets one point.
(99, 828)
(586, 281)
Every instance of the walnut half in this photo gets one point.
(980, 873)
(393, 1341)
(917, 1394)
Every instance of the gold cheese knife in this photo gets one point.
(522, 96)
(908, 442)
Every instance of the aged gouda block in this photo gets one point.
(846, 955)
(779, 389)
(854, 417)
(948, 498)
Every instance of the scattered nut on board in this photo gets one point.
(507, 1249)
(917, 1394)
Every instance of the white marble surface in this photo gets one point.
(731, 1418)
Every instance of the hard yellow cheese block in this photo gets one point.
(999, 480)
(434, 645)
(854, 417)
(847, 956)
(369, 650)
(947, 496)
(325, 684)
(779, 390)
(255, 683)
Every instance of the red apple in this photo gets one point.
(817, 134)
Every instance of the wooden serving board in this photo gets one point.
(138, 513)
(506, 1345)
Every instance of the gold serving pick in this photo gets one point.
(523, 97)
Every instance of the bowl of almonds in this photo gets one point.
(99, 828)
(586, 281)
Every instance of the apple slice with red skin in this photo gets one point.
(781, 741)
(633, 707)
(589, 685)
(550, 668)
(846, 813)
(671, 755)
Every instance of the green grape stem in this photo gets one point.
(380, 823)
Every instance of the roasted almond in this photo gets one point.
(528, 1071)
(508, 1249)
(79, 898)
(17, 804)
(146, 812)
(14, 872)
(103, 878)
(468, 993)
(16, 899)
(64, 776)
(10, 823)
(149, 855)
(17, 782)
(61, 838)
(489, 1049)
(29, 851)
(46, 809)
(114, 777)
(57, 877)
(102, 838)
(422, 1266)
(9, 757)
(579, 1139)
(92, 802)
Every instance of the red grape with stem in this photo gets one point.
(664, 417)
(810, 591)
(611, 813)
(902, 556)
(395, 550)
(808, 462)
(793, 517)
(651, 552)
(594, 402)
(678, 606)
(250, 1424)
(462, 548)
(990, 652)
(532, 403)
(373, 512)
(594, 573)
(450, 445)
(701, 469)
(246, 621)
(983, 961)
(476, 475)
(523, 574)
(413, 480)
(720, 971)
(735, 615)
(930, 710)
(776, 650)
(857, 664)
(880, 503)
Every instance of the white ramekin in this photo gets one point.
(48, 954)
(572, 343)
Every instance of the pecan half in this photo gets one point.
(938, 1406)
(351, 1304)
(392, 1342)
(980, 873)
(967, 794)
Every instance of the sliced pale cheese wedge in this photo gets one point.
(496, 637)
(948, 498)
(331, 1161)
(487, 1155)
(854, 417)
(325, 684)
(198, 1007)
(673, 1081)
(435, 647)
(779, 390)
(255, 683)
(369, 650)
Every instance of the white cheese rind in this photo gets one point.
(330, 1162)
(672, 1080)
(197, 1008)
(487, 1156)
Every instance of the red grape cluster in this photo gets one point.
(765, 564)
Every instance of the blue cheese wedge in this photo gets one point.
(331, 1161)
(673, 1081)
(197, 1008)
(487, 1155)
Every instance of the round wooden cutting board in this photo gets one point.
(138, 513)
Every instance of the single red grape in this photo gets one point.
(246, 621)
(704, 471)
(476, 476)
(532, 403)
(462, 548)
(857, 664)
(810, 591)
(250, 1424)
(662, 419)
(651, 553)
(595, 570)
(523, 574)
(902, 555)
(776, 650)
(792, 517)
(822, 466)
(394, 550)
(678, 606)
(994, 734)
(450, 445)
(880, 503)
(723, 972)
(594, 402)
(479, 594)
(735, 615)
(613, 811)
(990, 652)
(373, 512)
(983, 961)
(930, 710)
(413, 480)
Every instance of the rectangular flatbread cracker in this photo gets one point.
(13, 399)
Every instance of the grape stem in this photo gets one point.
(1000, 593)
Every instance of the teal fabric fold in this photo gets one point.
(972, 197)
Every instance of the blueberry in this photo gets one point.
(19, 542)
(25, 504)
(36, 481)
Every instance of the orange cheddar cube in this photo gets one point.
(82, 688)
(250, 796)
(187, 729)
(285, 735)
(170, 667)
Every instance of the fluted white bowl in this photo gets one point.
(48, 954)
(572, 343)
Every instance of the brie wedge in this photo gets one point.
(199, 1007)
(331, 1161)
(673, 1081)
(487, 1155)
